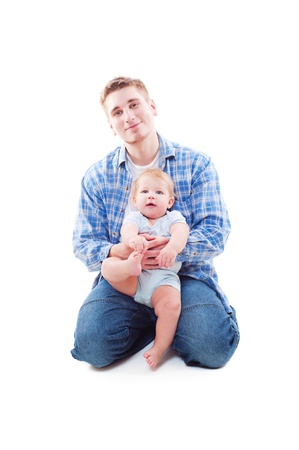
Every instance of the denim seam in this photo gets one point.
(206, 305)
(107, 301)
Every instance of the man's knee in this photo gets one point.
(207, 336)
(97, 339)
(92, 348)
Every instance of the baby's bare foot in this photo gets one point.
(153, 356)
(134, 262)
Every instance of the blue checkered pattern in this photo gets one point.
(105, 191)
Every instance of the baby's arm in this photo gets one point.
(178, 239)
(130, 237)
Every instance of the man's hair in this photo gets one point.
(119, 83)
(158, 174)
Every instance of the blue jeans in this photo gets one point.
(112, 326)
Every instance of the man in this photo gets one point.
(111, 325)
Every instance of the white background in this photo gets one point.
(224, 76)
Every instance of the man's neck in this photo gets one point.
(144, 152)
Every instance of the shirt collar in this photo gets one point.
(166, 150)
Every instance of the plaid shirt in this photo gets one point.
(105, 191)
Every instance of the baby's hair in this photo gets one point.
(158, 174)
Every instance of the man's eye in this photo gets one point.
(117, 113)
(134, 105)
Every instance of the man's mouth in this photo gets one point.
(133, 126)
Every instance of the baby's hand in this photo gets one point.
(166, 257)
(138, 243)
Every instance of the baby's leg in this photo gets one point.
(122, 274)
(166, 301)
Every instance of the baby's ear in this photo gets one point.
(170, 202)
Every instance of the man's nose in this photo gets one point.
(129, 115)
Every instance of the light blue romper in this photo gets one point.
(149, 280)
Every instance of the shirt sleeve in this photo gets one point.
(133, 217)
(91, 237)
(176, 217)
(207, 218)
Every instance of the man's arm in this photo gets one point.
(206, 215)
(92, 235)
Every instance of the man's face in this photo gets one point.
(130, 114)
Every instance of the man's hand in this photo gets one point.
(155, 245)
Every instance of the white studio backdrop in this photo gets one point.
(224, 77)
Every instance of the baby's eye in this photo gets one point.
(159, 192)
(144, 191)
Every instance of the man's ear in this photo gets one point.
(154, 108)
(113, 130)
